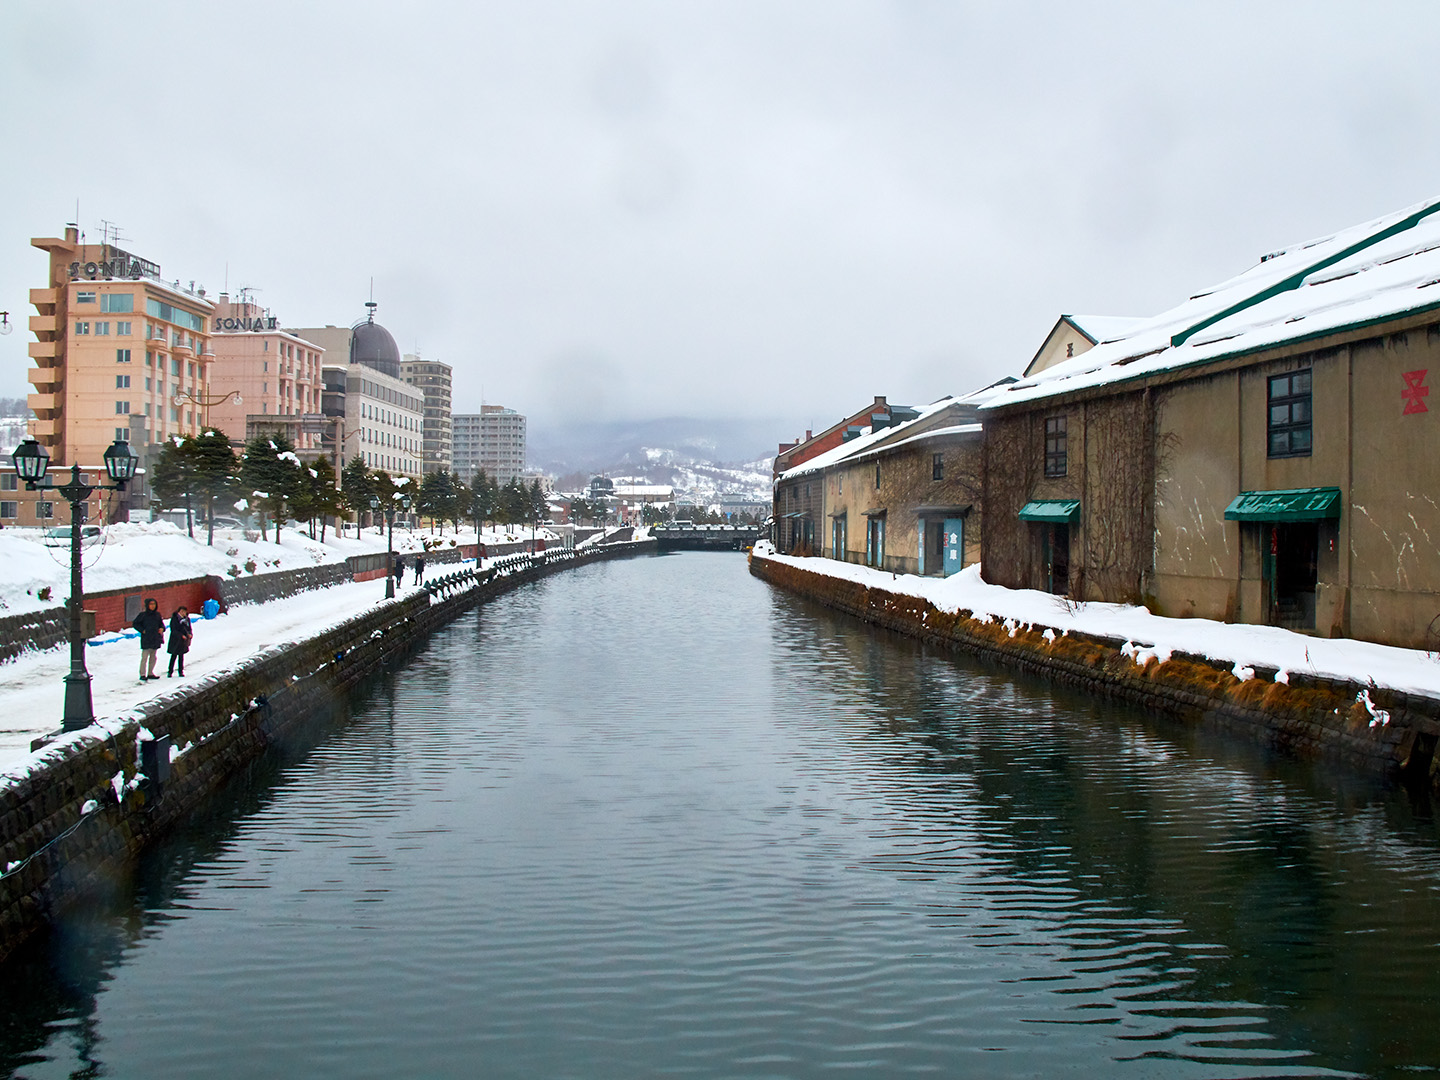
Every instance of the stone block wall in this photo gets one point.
(1305, 716)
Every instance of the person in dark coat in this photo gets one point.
(151, 625)
(419, 568)
(180, 634)
(399, 571)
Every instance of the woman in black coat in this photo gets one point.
(180, 634)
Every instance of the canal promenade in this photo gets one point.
(1375, 707)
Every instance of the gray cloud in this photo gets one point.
(644, 208)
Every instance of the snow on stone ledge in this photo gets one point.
(1242, 646)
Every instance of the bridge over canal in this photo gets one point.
(705, 537)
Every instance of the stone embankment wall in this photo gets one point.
(73, 824)
(1306, 716)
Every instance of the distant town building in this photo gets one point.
(119, 354)
(432, 379)
(264, 378)
(492, 440)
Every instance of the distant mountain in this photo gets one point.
(702, 458)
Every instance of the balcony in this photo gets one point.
(46, 429)
(44, 324)
(45, 350)
(46, 377)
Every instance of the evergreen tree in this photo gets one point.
(437, 498)
(325, 496)
(357, 484)
(211, 462)
(539, 506)
(482, 499)
(271, 473)
(172, 479)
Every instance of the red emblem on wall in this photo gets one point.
(1415, 391)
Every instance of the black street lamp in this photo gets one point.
(390, 538)
(31, 462)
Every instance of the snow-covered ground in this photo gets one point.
(1241, 645)
(32, 692)
(133, 555)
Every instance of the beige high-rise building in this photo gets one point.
(432, 378)
(119, 353)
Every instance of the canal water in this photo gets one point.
(653, 818)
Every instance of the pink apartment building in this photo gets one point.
(264, 377)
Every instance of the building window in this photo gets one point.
(122, 356)
(122, 408)
(9, 509)
(9, 482)
(113, 302)
(174, 415)
(937, 466)
(102, 328)
(149, 358)
(122, 382)
(82, 328)
(877, 476)
(174, 366)
(1056, 463)
(84, 297)
(122, 329)
(122, 434)
(1289, 415)
(44, 509)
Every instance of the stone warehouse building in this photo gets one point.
(1264, 452)
(899, 497)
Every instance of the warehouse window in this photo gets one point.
(1288, 424)
(1056, 457)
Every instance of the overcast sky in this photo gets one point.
(631, 209)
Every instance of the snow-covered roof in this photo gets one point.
(1100, 328)
(1367, 273)
(869, 438)
(641, 490)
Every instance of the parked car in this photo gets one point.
(228, 523)
(59, 535)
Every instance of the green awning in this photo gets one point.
(1051, 511)
(1288, 504)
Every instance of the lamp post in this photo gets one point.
(390, 540)
(205, 402)
(31, 462)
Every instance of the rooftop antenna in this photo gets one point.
(370, 304)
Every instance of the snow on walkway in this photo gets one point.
(1246, 646)
(32, 692)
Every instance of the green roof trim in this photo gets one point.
(1051, 511)
(1294, 280)
(1287, 504)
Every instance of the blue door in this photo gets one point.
(954, 545)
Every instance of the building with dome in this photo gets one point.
(375, 413)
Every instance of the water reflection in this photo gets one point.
(653, 817)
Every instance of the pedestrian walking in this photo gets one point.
(419, 568)
(180, 634)
(151, 625)
(399, 571)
